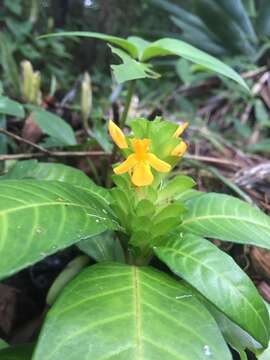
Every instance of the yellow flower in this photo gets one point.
(117, 135)
(181, 148)
(139, 164)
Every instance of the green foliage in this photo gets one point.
(19, 352)
(60, 132)
(49, 216)
(119, 310)
(226, 218)
(226, 27)
(21, 22)
(141, 50)
(137, 309)
(10, 107)
(217, 277)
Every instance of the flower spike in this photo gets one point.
(140, 162)
(117, 135)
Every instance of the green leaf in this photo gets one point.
(114, 311)
(128, 46)
(3, 344)
(234, 335)
(223, 19)
(72, 269)
(131, 69)
(175, 187)
(10, 107)
(266, 355)
(220, 280)
(38, 218)
(103, 247)
(140, 44)
(237, 11)
(14, 6)
(227, 218)
(167, 46)
(54, 126)
(261, 146)
(32, 169)
(262, 21)
(18, 352)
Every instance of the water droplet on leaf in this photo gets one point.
(207, 350)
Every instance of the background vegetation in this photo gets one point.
(228, 137)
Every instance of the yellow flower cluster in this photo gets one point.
(139, 163)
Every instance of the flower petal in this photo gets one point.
(117, 135)
(158, 164)
(180, 149)
(181, 128)
(126, 165)
(142, 175)
(140, 147)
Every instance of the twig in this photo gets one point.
(53, 154)
(213, 160)
(22, 140)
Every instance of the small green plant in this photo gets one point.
(125, 306)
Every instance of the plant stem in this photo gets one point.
(130, 92)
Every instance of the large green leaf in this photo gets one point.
(227, 218)
(129, 46)
(220, 280)
(238, 339)
(139, 49)
(32, 169)
(54, 126)
(167, 46)
(266, 355)
(10, 107)
(37, 218)
(113, 311)
(19, 352)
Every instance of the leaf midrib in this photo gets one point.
(35, 205)
(137, 305)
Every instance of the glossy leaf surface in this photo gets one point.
(215, 274)
(54, 126)
(113, 311)
(32, 169)
(37, 218)
(10, 107)
(227, 218)
(103, 247)
(167, 46)
(129, 46)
